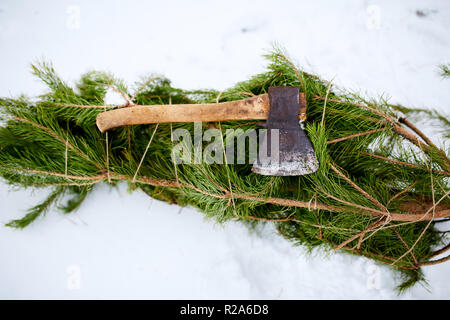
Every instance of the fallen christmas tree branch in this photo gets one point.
(446, 173)
(370, 196)
(442, 212)
(401, 131)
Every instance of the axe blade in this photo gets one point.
(295, 154)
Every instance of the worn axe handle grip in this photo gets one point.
(254, 108)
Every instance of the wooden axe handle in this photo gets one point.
(254, 108)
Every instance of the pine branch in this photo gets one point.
(445, 70)
(372, 187)
(36, 211)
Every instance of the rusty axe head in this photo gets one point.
(293, 155)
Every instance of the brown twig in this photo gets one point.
(142, 87)
(434, 262)
(400, 193)
(406, 245)
(418, 217)
(410, 250)
(315, 214)
(300, 204)
(446, 173)
(322, 226)
(354, 185)
(269, 219)
(68, 184)
(397, 128)
(66, 105)
(145, 152)
(374, 211)
(124, 96)
(211, 180)
(61, 175)
(321, 206)
(384, 259)
(440, 251)
(359, 234)
(259, 192)
(416, 130)
(247, 93)
(356, 135)
(410, 125)
(276, 201)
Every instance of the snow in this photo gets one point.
(121, 245)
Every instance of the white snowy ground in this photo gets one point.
(121, 245)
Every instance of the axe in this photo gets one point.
(282, 107)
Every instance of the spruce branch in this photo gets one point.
(36, 211)
(445, 70)
(376, 193)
